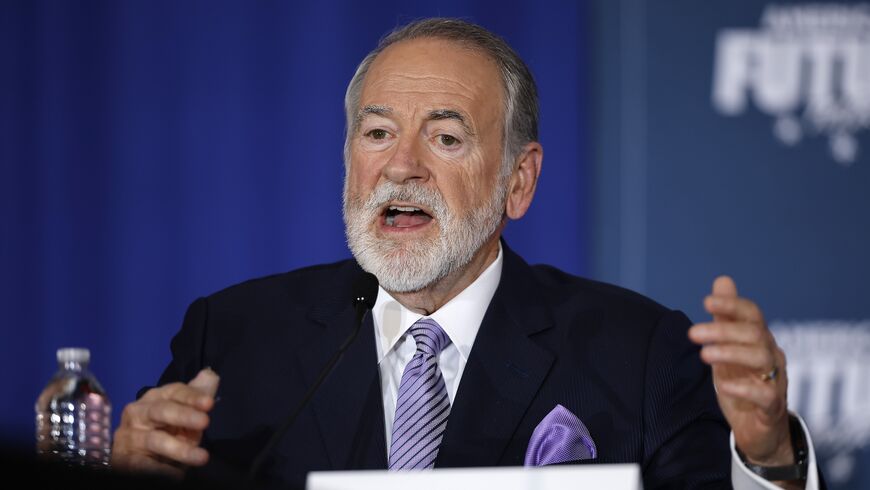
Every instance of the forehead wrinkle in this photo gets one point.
(428, 77)
(441, 92)
(426, 83)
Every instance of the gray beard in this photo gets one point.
(408, 266)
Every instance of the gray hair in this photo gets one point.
(521, 94)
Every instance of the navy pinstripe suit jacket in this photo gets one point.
(622, 363)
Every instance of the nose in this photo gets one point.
(406, 163)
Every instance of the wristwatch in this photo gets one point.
(796, 471)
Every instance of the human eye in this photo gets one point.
(446, 143)
(377, 134)
(448, 140)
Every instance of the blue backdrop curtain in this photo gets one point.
(156, 151)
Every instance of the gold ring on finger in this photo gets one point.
(770, 375)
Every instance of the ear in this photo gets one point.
(524, 179)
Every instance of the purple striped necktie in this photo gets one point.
(422, 406)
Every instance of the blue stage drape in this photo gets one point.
(157, 151)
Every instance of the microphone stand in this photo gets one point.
(363, 302)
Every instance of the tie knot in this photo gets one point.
(430, 337)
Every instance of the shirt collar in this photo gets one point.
(460, 317)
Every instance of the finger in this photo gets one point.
(731, 308)
(781, 361)
(206, 381)
(729, 332)
(164, 445)
(164, 413)
(138, 449)
(181, 393)
(122, 447)
(172, 414)
(724, 286)
(754, 358)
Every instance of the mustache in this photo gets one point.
(415, 193)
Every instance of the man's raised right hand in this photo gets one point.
(160, 432)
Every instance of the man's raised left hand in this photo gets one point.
(749, 374)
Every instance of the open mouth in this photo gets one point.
(397, 216)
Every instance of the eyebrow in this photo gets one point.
(436, 115)
(440, 114)
(377, 110)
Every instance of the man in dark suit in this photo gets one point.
(489, 352)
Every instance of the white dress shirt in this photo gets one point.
(461, 318)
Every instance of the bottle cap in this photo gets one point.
(73, 354)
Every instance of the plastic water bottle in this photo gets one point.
(73, 414)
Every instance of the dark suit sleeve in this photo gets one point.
(685, 433)
(187, 347)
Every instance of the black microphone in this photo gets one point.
(365, 291)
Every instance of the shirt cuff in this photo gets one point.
(742, 478)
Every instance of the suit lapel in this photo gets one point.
(502, 376)
(503, 373)
(348, 406)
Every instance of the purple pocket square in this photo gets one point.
(559, 438)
